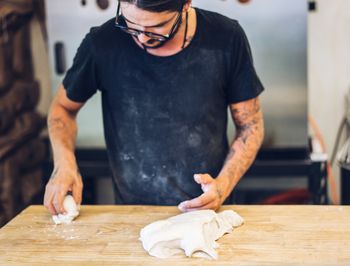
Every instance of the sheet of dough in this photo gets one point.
(194, 233)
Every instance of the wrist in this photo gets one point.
(66, 161)
(225, 185)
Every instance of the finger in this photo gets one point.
(210, 206)
(58, 200)
(203, 178)
(50, 207)
(200, 201)
(48, 198)
(77, 193)
(213, 205)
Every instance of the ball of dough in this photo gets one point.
(71, 211)
(69, 204)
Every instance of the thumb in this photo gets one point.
(77, 195)
(203, 178)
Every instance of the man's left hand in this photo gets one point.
(212, 198)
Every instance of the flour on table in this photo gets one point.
(193, 233)
(72, 211)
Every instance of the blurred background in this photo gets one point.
(301, 53)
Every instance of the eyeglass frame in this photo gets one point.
(151, 35)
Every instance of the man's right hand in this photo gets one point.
(63, 180)
(62, 127)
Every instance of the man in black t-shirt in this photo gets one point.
(167, 73)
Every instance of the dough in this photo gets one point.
(72, 211)
(193, 233)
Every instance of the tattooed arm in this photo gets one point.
(62, 131)
(248, 119)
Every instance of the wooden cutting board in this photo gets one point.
(108, 235)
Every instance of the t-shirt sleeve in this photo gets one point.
(243, 82)
(81, 80)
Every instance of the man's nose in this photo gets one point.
(143, 38)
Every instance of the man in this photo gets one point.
(167, 73)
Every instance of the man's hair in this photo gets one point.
(158, 5)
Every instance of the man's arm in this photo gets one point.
(62, 128)
(248, 119)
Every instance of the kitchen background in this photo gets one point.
(301, 51)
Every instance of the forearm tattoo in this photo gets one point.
(62, 132)
(248, 120)
(56, 123)
(219, 193)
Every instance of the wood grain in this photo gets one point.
(108, 235)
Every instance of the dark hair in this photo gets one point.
(158, 5)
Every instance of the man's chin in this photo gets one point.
(148, 45)
(152, 45)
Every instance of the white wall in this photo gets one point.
(329, 66)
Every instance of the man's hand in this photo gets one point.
(62, 128)
(59, 184)
(212, 198)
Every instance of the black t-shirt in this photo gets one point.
(165, 118)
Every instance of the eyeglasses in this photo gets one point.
(121, 24)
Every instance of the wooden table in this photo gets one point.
(108, 235)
